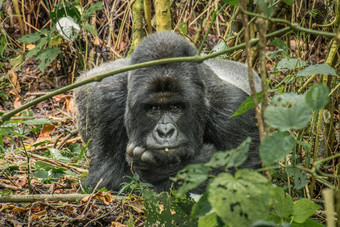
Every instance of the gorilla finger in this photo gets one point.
(129, 149)
(147, 156)
(138, 151)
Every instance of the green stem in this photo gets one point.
(294, 26)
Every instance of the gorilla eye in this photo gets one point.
(175, 108)
(154, 108)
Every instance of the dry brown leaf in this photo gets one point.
(19, 210)
(117, 224)
(22, 181)
(17, 102)
(45, 133)
(96, 41)
(13, 76)
(30, 46)
(38, 215)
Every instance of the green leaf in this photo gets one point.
(47, 56)
(234, 198)
(89, 28)
(92, 9)
(303, 209)
(43, 174)
(42, 42)
(239, 155)
(39, 121)
(288, 111)
(191, 177)
(202, 207)
(282, 203)
(289, 2)
(43, 165)
(209, 220)
(317, 97)
(322, 69)
(247, 105)
(30, 38)
(231, 158)
(276, 147)
(308, 223)
(299, 176)
(232, 2)
(55, 153)
(289, 64)
(267, 6)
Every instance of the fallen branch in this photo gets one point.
(42, 197)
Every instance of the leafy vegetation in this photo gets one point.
(299, 148)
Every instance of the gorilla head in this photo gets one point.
(159, 119)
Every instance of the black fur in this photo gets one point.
(159, 119)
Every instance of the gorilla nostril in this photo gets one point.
(165, 131)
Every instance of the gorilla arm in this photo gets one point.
(100, 118)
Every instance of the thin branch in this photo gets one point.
(294, 26)
(250, 70)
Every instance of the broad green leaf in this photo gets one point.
(267, 6)
(191, 177)
(30, 38)
(281, 47)
(289, 2)
(282, 203)
(89, 28)
(208, 221)
(308, 223)
(276, 147)
(317, 97)
(202, 207)
(288, 111)
(232, 2)
(299, 177)
(43, 174)
(262, 223)
(231, 158)
(47, 56)
(303, 209)
(42, 42)
(39, 121)
(43, 165)
(88, 12)
(247, 105)
(234, 198)
(239, 155)
(55, 153)
(289, 64)
(323, 69)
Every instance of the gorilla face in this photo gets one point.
(165, 116)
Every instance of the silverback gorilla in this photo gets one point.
(160, 119)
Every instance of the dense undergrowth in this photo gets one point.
(51, 43)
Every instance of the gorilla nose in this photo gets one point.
(165, 132)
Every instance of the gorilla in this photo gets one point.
(156, 120)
